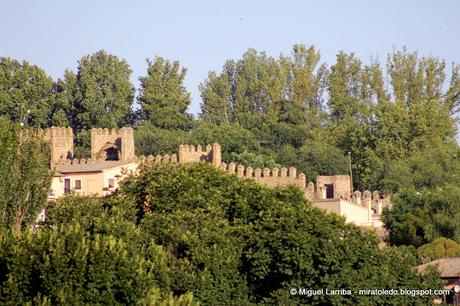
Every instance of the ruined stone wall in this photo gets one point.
(60, 140)
(191, 153)
(123, 139)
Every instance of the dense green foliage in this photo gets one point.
(90, 252)
(101, 93)
(439, 248)
(193, 228)
(177, 229)
(26, 93)
(420, 217)
(235, 242)
(163, 97)
(26, 178)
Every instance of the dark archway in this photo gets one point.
(109, 152)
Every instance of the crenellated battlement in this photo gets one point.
(269, 177)
(112, 132)
(369, 199)
(159, 159)
(332, 193)
(60, 140)
(112, 144)
(192, 153)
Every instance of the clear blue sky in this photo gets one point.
(203, 34)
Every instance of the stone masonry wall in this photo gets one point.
(123, 139)
(191, 153)
(60, 140)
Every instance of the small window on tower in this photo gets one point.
(77, 184)
(111, 183)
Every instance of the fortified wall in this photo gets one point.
(60, 141)
(331, 193)
(327, 188)
(110, 148)
(190, 153)
(106, 145)
(112, 144)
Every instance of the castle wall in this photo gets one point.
(268, 177)
(159, 159)
(341, 183)
(332, 193)
(60, 140)
(353, 213)
(191, 153)
(123, 139)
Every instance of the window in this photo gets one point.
(77, 184)
(111, 183)
(66, 186)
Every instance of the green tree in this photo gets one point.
(318, 158)
(233, 138)
(26, 176)
(103, 93)
(65, 92)
(382, 121)
(163, 97)
(304, 87)
(261, 89)
(419, 217)
(151, 140)
(90, 251)
(419, 84)
(26, 94)
(234, 241)
(254, 160)
(439, 248)
(424, 169)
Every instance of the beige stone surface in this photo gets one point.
(122, 139)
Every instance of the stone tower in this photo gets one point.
(190, 154)
(336, 186)
(60, 140)
(112, 144)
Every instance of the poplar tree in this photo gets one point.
(162, 95)
(26, 181)
(259, 89)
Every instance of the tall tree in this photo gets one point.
(419, 85)
(353, 90)
(379, 121)
(304, 88)
(103, 93)
(26, 176)
(163, 97)
(65, 91)
(259, 89)
(25, 93)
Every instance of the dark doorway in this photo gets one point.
(111, 153)
(66, 186)
(329, 191)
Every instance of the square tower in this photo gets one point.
(112, 144)
(333, 187)
(60, 140)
